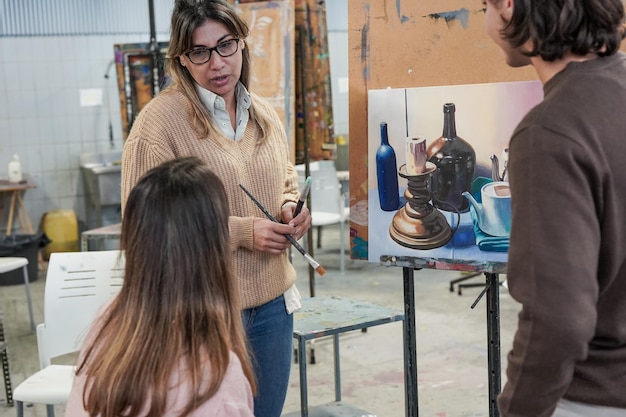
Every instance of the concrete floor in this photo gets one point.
(451, 340)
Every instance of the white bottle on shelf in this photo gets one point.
(15, 169)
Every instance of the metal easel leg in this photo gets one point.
(493, 340)
(410, 344)
(4, 358)
(494, 368)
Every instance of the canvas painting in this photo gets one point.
(435, 196)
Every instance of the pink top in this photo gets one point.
(233, 399)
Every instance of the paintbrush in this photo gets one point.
(320, 269)
(303, 196)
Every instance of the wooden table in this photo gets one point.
(16, 206)
(491, 270)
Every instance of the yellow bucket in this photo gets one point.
(61, 227)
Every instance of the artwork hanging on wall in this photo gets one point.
(272, 54)
(135, 78)
(437, 169)
(314, 126)
(314, 110)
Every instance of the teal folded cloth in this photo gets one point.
(487, 242)
(484, 241)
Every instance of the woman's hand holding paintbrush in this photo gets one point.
(320, 270)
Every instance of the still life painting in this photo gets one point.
(437, 169)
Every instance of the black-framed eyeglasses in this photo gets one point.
(224, 49)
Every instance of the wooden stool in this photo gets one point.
(16, 206)
(20, 213)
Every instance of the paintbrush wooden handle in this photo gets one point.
(290, 238)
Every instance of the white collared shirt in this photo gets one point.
(217, 107)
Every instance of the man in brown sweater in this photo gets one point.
(567, 257)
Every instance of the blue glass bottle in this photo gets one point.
(387, 173)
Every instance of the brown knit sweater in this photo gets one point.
(163, 131)
(567, 256)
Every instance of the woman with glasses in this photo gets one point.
(208, 112)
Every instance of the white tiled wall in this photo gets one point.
(42, 121)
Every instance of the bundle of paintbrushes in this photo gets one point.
(314, 264)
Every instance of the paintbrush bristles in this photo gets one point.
(320, 270)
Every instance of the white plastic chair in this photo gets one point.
(8, 264)
(327, 203)
(77, 285)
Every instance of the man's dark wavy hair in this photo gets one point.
(557, 27)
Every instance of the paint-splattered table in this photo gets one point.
(491, 270)
(331, 316)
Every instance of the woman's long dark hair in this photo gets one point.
(179, 303)
(557, 27)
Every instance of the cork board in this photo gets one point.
(404, 44)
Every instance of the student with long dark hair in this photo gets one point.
(171, 342)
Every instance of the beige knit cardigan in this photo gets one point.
(163, 131)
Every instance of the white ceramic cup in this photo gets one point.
(495, 218)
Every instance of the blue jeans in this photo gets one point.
(270, 336)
